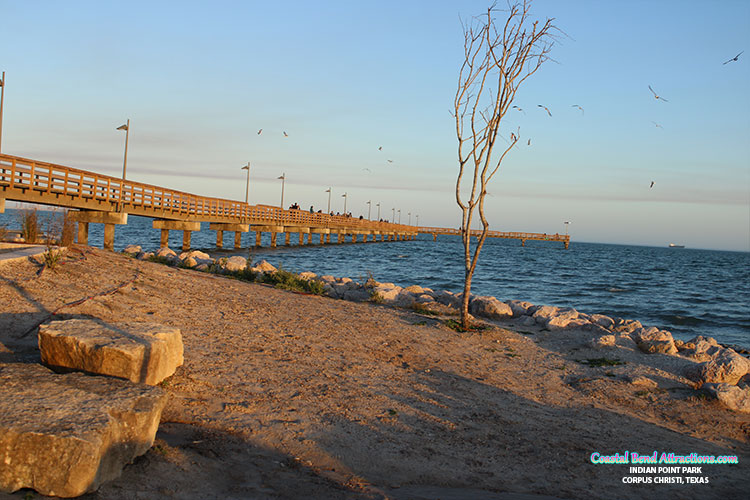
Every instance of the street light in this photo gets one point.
(566, 227)
(283, 178)
(2, 96)
(329, 199)
(399, 216)
(393, 220)
(378, 205)
(344, 196)
(247, 184)
(369, 209)
(417, 220)
(410, 218)
(126, 128)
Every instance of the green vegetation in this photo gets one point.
(52, 257)
(286, 280)
(601, 362)
(376, 297)
(456, 325)
(422, 309)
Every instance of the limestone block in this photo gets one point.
(425, 299)
(448, 298)
(414, 290)
(132, 249)
(140, 352)
(603, 321)
(189, 262)
(543, 314)
(357, 295)
(733, 397)
(565, 318)
(264, 267)
(235, 263)
(519, 308)
(653, 340)
(388, 293)
(65, 435)
(307, 275)
(166, 252)
(727, 367)
(701, 348)
(627, 326)
(489, 307)
(602, 342)
(327, 279)
(195, 254)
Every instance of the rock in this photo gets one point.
(733, 397)
(405, 299)
(744, 381)
(642, 381)
(542, 314)
(602, 320)
(264, 267)
(65, 435)
(235, 263)
(145, 255)
(652, 340)
(602, 342)
(327, 279)
(627, 326)
(166, 252)
(414, 290)
(490, 307)
(307, 275)
(203, 267)
(189, 262)
(727, 367)
(593, 327)
(701, 348)
(527, 321)
(330, 291)
(563, 319)
(424, 299)
(132, 249)
(357, 295)
(344, 280)
(140, 352)
(195, 254)
(625, 340)
(448, 298)
(340, 289)
(519, 308)
(386, 293)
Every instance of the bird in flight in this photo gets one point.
(652, 185)
(529, 143)
(285, 134)
(259, 131)
(380, 148)
(390, 161)
(656, 96)
(545, 109)
(519, 109)
(367, 170)
(734, 58)
(657, 125)
(577, 106)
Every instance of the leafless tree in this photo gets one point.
(499, 57)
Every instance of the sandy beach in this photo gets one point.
(286, 395)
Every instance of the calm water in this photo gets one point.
(689, 292)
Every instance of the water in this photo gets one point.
(688, 292)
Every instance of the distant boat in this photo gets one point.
(674, 245)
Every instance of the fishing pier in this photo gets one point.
(102, 199)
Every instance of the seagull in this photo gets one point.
(545, 108)
(259, 131)
(380, 148)
(367, 170)
(657, 125)
(285, 134)
(529, 143)
(734, 58)
(652, 185)
(390, 161)
(519, 109)
(577, 106)
(655, 95)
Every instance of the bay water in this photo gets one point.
(686, 291)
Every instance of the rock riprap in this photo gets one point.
(64, 435)
(140, 352)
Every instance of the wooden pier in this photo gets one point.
(108, 200)
(508, 235)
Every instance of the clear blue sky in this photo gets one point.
(198, 79)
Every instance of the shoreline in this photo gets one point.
(302, 393)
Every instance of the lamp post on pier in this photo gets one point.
(393, 220)
(283, 179)
(126, 128)
(566, 227)
(247, 184)
(2, 98)
(417, 220)
(410, 218)
(344, 196)
(369, 209)
(329, 200)
(399, 216)
(378, 205)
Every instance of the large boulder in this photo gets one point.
(701, 348)
(132, 249)
(602, 320)
(448, 298)
(388, 292)
(626, 325)
(733, 397)
(307, 275)
(415, 290)
(542, 314)
(653, 340)
(264, 267)
(726, 367)
(166, 253)
(235, 263)
(140, 352)
(519, 307)
(195, 254)
(64, 435)
(357, 295)
(489, 307)
(563, 319)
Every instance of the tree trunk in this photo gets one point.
(465, 323)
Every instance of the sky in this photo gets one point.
(199, 79)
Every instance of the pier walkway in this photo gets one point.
(108, 200)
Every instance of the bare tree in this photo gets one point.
(499, 57)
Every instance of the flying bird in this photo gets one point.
(577, 106)
(367, 170)
(259, 131)
(285, 134)
(652, 185)
(734, 58)
(545, 109)
(519, 109)
(529, 143)
(390, 161)
(656, 96)
(380, 148)
(657, 125)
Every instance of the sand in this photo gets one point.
(285, 395)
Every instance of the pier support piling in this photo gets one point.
(176, 225)
(83, 233)
(257, 238)
(219, 238)
(237, 239)
(109, 219)
(287, 237)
